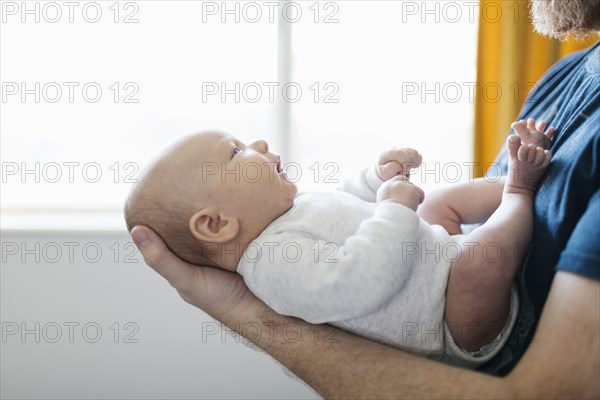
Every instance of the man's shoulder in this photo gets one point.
(558, 84)
(569, 61)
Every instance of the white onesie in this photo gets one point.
(378, 271)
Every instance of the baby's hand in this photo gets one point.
(397, 162)
(400, 190)
(530, 134)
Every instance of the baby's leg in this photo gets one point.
(478, 293)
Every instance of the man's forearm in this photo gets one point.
(338, 364)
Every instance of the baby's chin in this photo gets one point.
(286, 206)
(292, 197)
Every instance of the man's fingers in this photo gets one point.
(177, 272)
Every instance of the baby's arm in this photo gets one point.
(306, 277)
(391, 163)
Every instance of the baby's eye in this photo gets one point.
(235, 151)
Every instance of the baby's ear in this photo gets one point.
(208, 225)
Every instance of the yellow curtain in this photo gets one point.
(511, 58)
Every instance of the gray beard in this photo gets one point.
(563, 18)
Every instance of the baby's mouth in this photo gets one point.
(280, 171)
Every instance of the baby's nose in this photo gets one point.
(261, 145)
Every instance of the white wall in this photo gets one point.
(372, 53)
(171, 359)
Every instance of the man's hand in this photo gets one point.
(397, 162)
(222, 294)
(400, 190)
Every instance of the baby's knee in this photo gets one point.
(488, 261)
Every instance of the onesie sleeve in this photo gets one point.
(320, 282)
(364, 186)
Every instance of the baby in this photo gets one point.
(359, 258)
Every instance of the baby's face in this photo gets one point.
(245, 180)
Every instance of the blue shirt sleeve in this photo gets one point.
(582, 254)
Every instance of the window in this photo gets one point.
(92, 90)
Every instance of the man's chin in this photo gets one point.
(561, 19)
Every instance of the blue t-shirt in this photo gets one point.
(567, 206)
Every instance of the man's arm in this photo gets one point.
(563, 360)
(465, 203)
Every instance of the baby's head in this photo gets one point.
(209, 195)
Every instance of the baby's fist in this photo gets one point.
(400, 190)
(397, 162)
